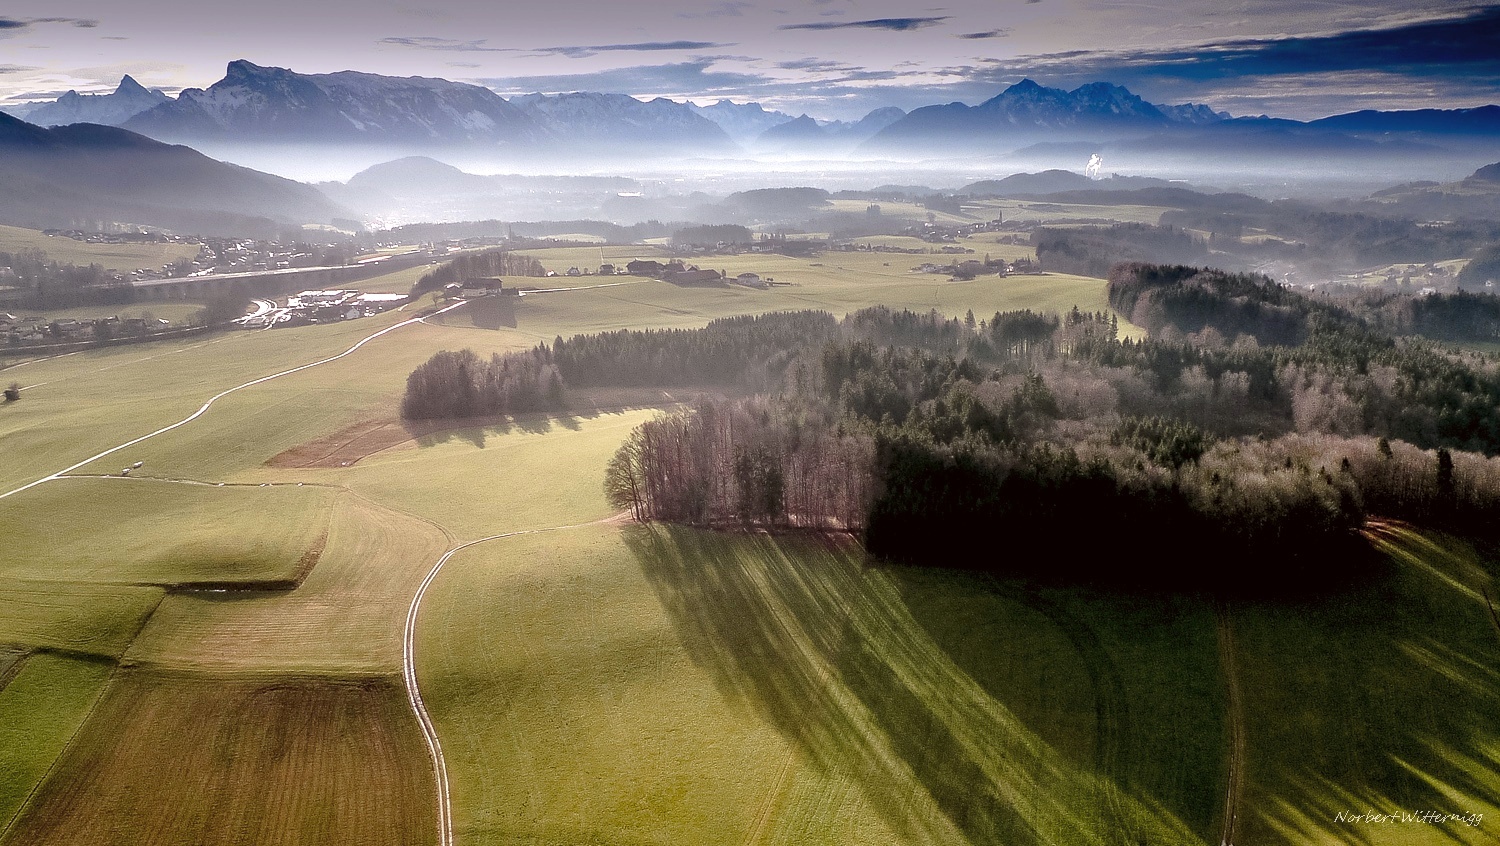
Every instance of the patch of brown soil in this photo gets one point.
(352, 443)
(225, 761)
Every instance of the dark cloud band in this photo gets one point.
(892, 24)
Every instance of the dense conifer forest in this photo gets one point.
(1245, 444)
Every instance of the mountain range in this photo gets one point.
(253, 104)
(1027, 112)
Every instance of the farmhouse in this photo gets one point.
(752, 280)
(646, 267)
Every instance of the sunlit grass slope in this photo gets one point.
(139, 531)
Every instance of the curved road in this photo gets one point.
(215, 398)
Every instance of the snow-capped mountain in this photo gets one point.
(744, 122)
(618, 123)
(125, 102)
(254, 103)
(1026, 112)
(809, 136)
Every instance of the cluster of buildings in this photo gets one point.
(25, 331)
(308, 307)
(936, 233)
(678, 273)
(989, 267)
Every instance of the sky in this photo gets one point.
(828, 58)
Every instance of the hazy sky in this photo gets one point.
(831, 58)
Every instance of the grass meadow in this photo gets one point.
(622, 684)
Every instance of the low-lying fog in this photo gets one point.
(633, 189)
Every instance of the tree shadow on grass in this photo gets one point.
(477, 431)
(1387, 702)
(827, 650)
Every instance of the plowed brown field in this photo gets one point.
(177, 758)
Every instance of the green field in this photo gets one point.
(74, 617)
(143, 531)
(40, 711)
(598, 683)
(120, 257)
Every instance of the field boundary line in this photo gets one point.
(409, 671)
(216, 397)
(63, 752)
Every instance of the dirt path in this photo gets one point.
(1235, 719)
(216, 397)
(409, 670)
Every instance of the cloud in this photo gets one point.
(1441, 47)
(12, 23)
(695, 78)
(82, 23)
(481, 45)
(816, 65)
(648, 46)
(993, 33)
(729, 9)
(422, 42)
(892, 24)
(16, 69)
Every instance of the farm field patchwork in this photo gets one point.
(41, 709)
(345, 617)
(618, 684)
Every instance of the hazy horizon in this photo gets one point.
(834, 59)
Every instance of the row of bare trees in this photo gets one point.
(744, 462)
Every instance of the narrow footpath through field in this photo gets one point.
(409, 670)
(1235, 721)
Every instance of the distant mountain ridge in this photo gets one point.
(1027, 112)
(807, 135)
(129, 99)
(591, 120)
(254, 103)
(89, 173)
(744, 122)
